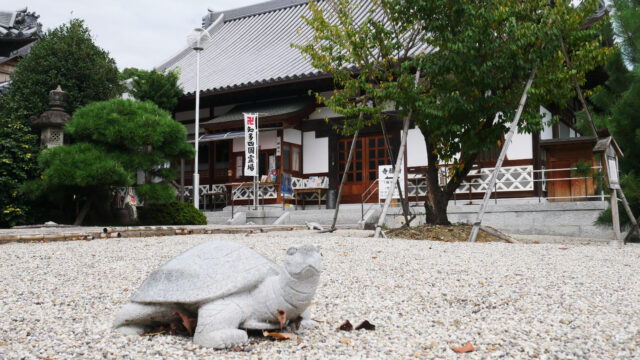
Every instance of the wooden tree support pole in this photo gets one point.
(396, 169)
(405, 210)
(634, 222)
(344, 178)
(614, 193)
(494, 176)
(615, 217)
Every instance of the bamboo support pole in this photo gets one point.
(405, 210)
(396, 169)
(494, 176)
(344, 179)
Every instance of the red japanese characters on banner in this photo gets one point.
(250, 145)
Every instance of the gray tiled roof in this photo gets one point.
(252, 47)
(19, 24)
(266, 109)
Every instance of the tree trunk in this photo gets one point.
(436, 200)
(83, 212)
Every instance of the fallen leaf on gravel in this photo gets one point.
(343, 254)
(563, 248)
(366, 325)
(345, 341)
(282, 317)
(155, 332)
(188, 322)
(346, 326)
(374, 257)
(279, 336)
(419, 259)
(464, 349)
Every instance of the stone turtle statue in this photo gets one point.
(230, 287)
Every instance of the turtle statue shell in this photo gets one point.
(208, 271)
(230, 288)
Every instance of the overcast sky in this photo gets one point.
(137, 33)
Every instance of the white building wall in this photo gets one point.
(315, 154)
(292, 136)
(521, 147)
(267, 139)
(238, 144)
(547, 131)
(191, 114)
(416, 148)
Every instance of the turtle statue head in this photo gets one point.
(303, 262)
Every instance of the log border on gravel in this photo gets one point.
(141, 231)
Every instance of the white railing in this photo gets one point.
(510, 179)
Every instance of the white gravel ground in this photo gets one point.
(57, 300)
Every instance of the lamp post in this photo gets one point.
(197, 41)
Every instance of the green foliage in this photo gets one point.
(474, 58)
(174, 213)
(615, 105)
(161, 89)
(18, 146)
(156, 193)
(64, 56)
(113, 140)
(631, 184)
(582, 168)
(139, 135)
(626, 15)
(81, 165)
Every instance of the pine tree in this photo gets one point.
(617, 104)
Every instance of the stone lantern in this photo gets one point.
(52, 121)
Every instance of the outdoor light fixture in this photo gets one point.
(197, 40)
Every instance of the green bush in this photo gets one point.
(173, 213)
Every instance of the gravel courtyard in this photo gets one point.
(519, 301)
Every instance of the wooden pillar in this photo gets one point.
(212, 161)
(615, 217)
(537, 163)
(182, 180)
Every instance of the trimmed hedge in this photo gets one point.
(173, 213)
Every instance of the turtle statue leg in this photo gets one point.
(218, 323)
(135, 318)
(307, 322)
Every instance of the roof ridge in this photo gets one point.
(251, 10)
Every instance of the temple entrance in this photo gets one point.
(369, 153)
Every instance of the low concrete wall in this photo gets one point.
(575, 219)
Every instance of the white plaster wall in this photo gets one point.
(221, 110)
(268, 139)
(238, 144)
(416, 148)
(191, 114)
(292, 135)
(563, 130)
(315, 154)
(323, 112)
(521, 147)
(191, 129)
(547, 131)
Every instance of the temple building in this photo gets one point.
(250, 67)
(18, 32)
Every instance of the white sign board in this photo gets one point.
(250, 144)
(385, 178)
(612, 172)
